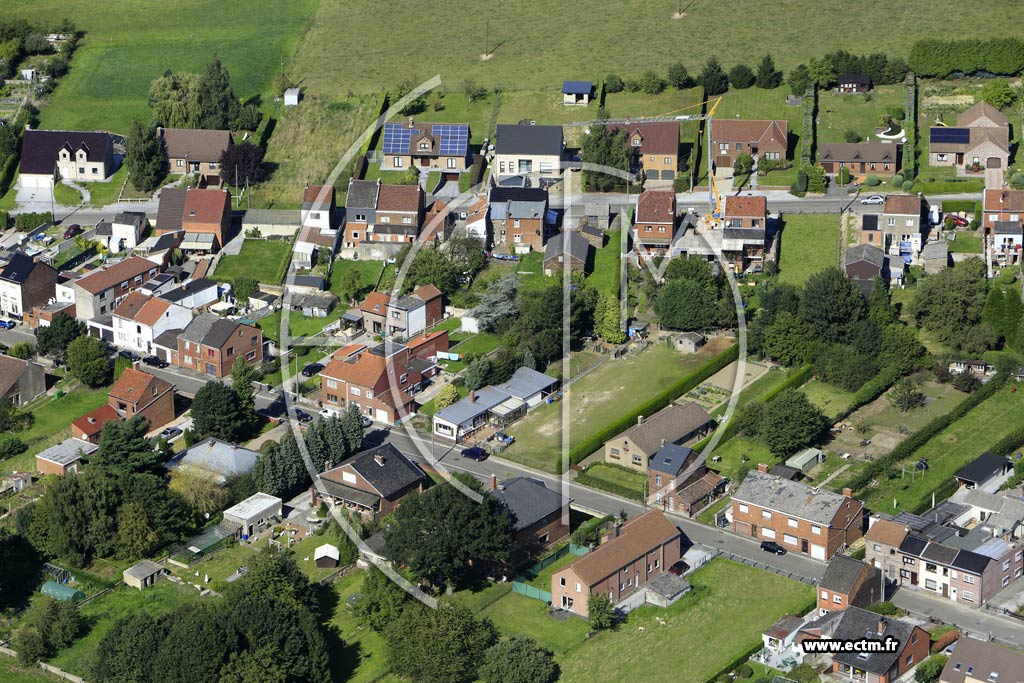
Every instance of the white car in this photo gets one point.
(328, 413)
(873, 199)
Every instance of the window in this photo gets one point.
(838, 599)
(81, 170)
(904, 573)
(1006, 565)
(909, 659)
(1018, 556)
(878, 547)
(816, 530)
(910, 222)
(230, 351)
(213, 164)
(545, 167)
(515, 223)
(637, 460)
(561, 582)
(765, 514)
(501, 166)
(577, 587)
(251, 355)
(179, 162)
(668, 161)
(657, 564)
(615, 452)
(891, 222)
(909, 560)
(209, 352)
(929, 567)
(790, 539)
(886, 167)
(930, 584)
(637, 141)
(968, 596)
(793, 524)
(969, 578)
(940, 157)
(356, 391)
(451, 162)
(315, 215)
(385, 219)
(424, 145)
(657, 480)
(772, 155)
(406, 220)
(397, 163)
(873, 167)
(723, 147)
(739, 146)
(361, 217)
(744, 507)
(403, 379)
(768, 533)
(824, 595)
(517, 238)
(1006, 581)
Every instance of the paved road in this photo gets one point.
(17, 335)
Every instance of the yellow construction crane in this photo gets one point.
(714, 199)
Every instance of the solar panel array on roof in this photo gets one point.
(396, 138)
(454, 138)
(958, 136)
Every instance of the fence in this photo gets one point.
(48, 668)
(767, 567)
(531, 591)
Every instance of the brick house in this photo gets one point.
(630, 556)
(404, 316)
(854, 623)
(518, 218)
(860, 157)
(536, 513)
(674, 424)
(64, 458)
(210, 345)
(566, 247)
(20, 380)
(371, 483)
(362, 376)
(766, 140)
(207, 212)
(195, 151)
(380, 218)
(440, 146)
(848, 582)
(679, 481)
(811, 521)
(654, 148)
(89, 426)
(655, 221)
(100, 292)
(140, 393)
(70, 154)
(745, 212)
(24, 284)
(979, 140)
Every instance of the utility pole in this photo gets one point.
(487, 37)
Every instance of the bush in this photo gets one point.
(908, 185)
(1017, 180)
(612, 83)
(886, 608)
(945, 640)
(872, 181)
(801, 181)
(744, 671)
(897, 180)
(928, 671)
(11, 446)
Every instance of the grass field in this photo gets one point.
(620, 476)
(367, 271)
(518, 614)
(478, 344)
(104, 193)
(357, 654)
(261, 259)
(733, 452)
(605, 277)
(460, 33)
(600, 397)
(125, 48)
(298, 324)
(830, 399)
(104, 611)
(66, 195)
(966, 243)
(542, 579)
(809, 243)
(839, 113)
(11, 673)
(708, 615)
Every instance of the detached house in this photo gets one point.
(371, 483)
(24, 284)
(48, 155)
(536, 513)
(441, 146)
(860, 157)
(210, 345)
(863, 263)
(518, 218)
(139, 393)
(630, 556)
(196, 151)
(528, 151)
(654, 148)
(203, 214)
(674, 424)
(140, 319)
(566, 247)
(767, 140)
(1003, 222)
(979, 140)
(812, 521)
(380, 219)
(744, 233)
(379, 381)
(655, 221)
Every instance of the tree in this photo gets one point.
(218, 105)
(788, 339)
(348, 285)
(685, 305)
(799, 80)
(477, 372)
(612, 83)
(789, 422)
(743, 164)
(352, 428)
(198, 640)
(12, 419)
(245, 286)
(446, 397)
(768, 77)
(741, 77)
(604, 147)
(124, 448)
(678, 77)
(260, 665)
(135, 538)
(383, 601)
(928, 671)
(608, 321)
(145, 157)
(199, 488)
(966, 382)
(47, 627)
(432, 267)
(852, 136)
(54, 339)
(243, 162)
(602, 612)
(821, 72)
(474, 91)
(831, 303)
(518, 659)
(22, 350)
(998, 93)
(174, 100)
(651, 83)
(217, 412)
(87, 361)
(950, 303)
(906, 396)
(423, 536)
(713, 78)
(243, 374)
(499, 304)
(414, 643)
(128, 649)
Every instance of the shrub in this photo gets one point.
(651, 83)
(801, 181)
(11, 446)
(872, 181)
(1017, 180)
(851, 136)
(944, 641)
(908, 185)
(897, 180)
(744, 671)
(928, 671)
(886, 608)
(612, 83)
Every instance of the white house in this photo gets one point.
(193, 294)
(127, 227)
(254, 513)
(140, 319)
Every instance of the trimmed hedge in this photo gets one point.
(869, 391)
(611, 487)
(916, 440)
(581, 450)
(7, 173)
(371, 142)
(958, 205)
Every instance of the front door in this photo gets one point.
(803, 545)
(211, 369)
(753, 530)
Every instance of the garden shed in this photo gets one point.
(326, 556)
(143, 574)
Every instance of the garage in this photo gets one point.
(382, 416)
(818, 552)
(993, 162)
(35, 180)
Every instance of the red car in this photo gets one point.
(72, 231)
(957, 220)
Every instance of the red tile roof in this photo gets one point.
(1004, 200)
(204, 206)
(656, 206)
(636, 538)
(661, 137)
(375, 302)
(427, 292)
(133, 385)
(406, 198)
(92, 422)
(752, 207)
(902, 204)
(94, 283)
(312, 193)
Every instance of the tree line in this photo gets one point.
(939, 58)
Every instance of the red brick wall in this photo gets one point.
(832, 537)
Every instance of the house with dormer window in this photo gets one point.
(48, 155)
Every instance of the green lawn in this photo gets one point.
(946, 452)
(456, 108)
(607, 263)
(966, 243)
(600, 397)
(367, 273)
(757, 103)
(261, 259)
(104, 193)
(298, 324)
(104, 611)
(124, 49)
(620, 476)
(530, 269)
(542, 579)
(479, 344)
(218, 565)
(66, 195)
(839, 113)
(725, 613)
(430, 407)
(518, 614)
(734, 450)
(758, 388)
(809, 243)
(12, 673)
(359, 657)
(830, 399)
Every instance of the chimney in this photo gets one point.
(761, 467)
(472, 397)
(494, 482)
(378, 458)
(848, 493)
(663, 442)
(639, 419)
(881, 625)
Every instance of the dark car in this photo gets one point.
(772, 547)
(303, 416)
(72, 231)
(312, 369)
(170, 433)
(130, 355)
(155, 361)
(474, 453)
(679, 567)
(6, 325)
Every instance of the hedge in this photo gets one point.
(581, 450)
(371, 142)
(937, 58)
(945, 640)
(7, 173)
(611, 487)
(910, 127)
(476, 171)
(958, 205)
(907, 448)
(869, 391)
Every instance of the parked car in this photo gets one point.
(72, 231)
(957, 220)
(772, 547)
(502, 437)
(7, 325)
(155, 361)
(474, 453)
(312, 369)
(328, 413)
(130, 355)
(170, 433)
(303, 416)
(365, 422)
(873, 199)
(679, 567)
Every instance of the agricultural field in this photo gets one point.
(506, 32)
(260, 259)
(125, 48)
(598, 398)
(808, 243)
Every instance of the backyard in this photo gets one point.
(808, 243)
(839, 113)
(830, 399)
(606, 276)
(357, 655)
(599, 397)
(261, 259)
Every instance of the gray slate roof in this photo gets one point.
(984, 466)
(68, 451)
(395, 474)
(220, 457)
(670, 459)
(208, 329)
(514, 139)
(527, 382)
(171, 209)
(18, 268)
(865, 252)
(668, 585)
(789, 497)
(528, 501)
(465, 410)
(188, 289)
(841, 574)
(579, 248)
(854, 623)
(935, 250)
(362, 194)
(143, 569)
